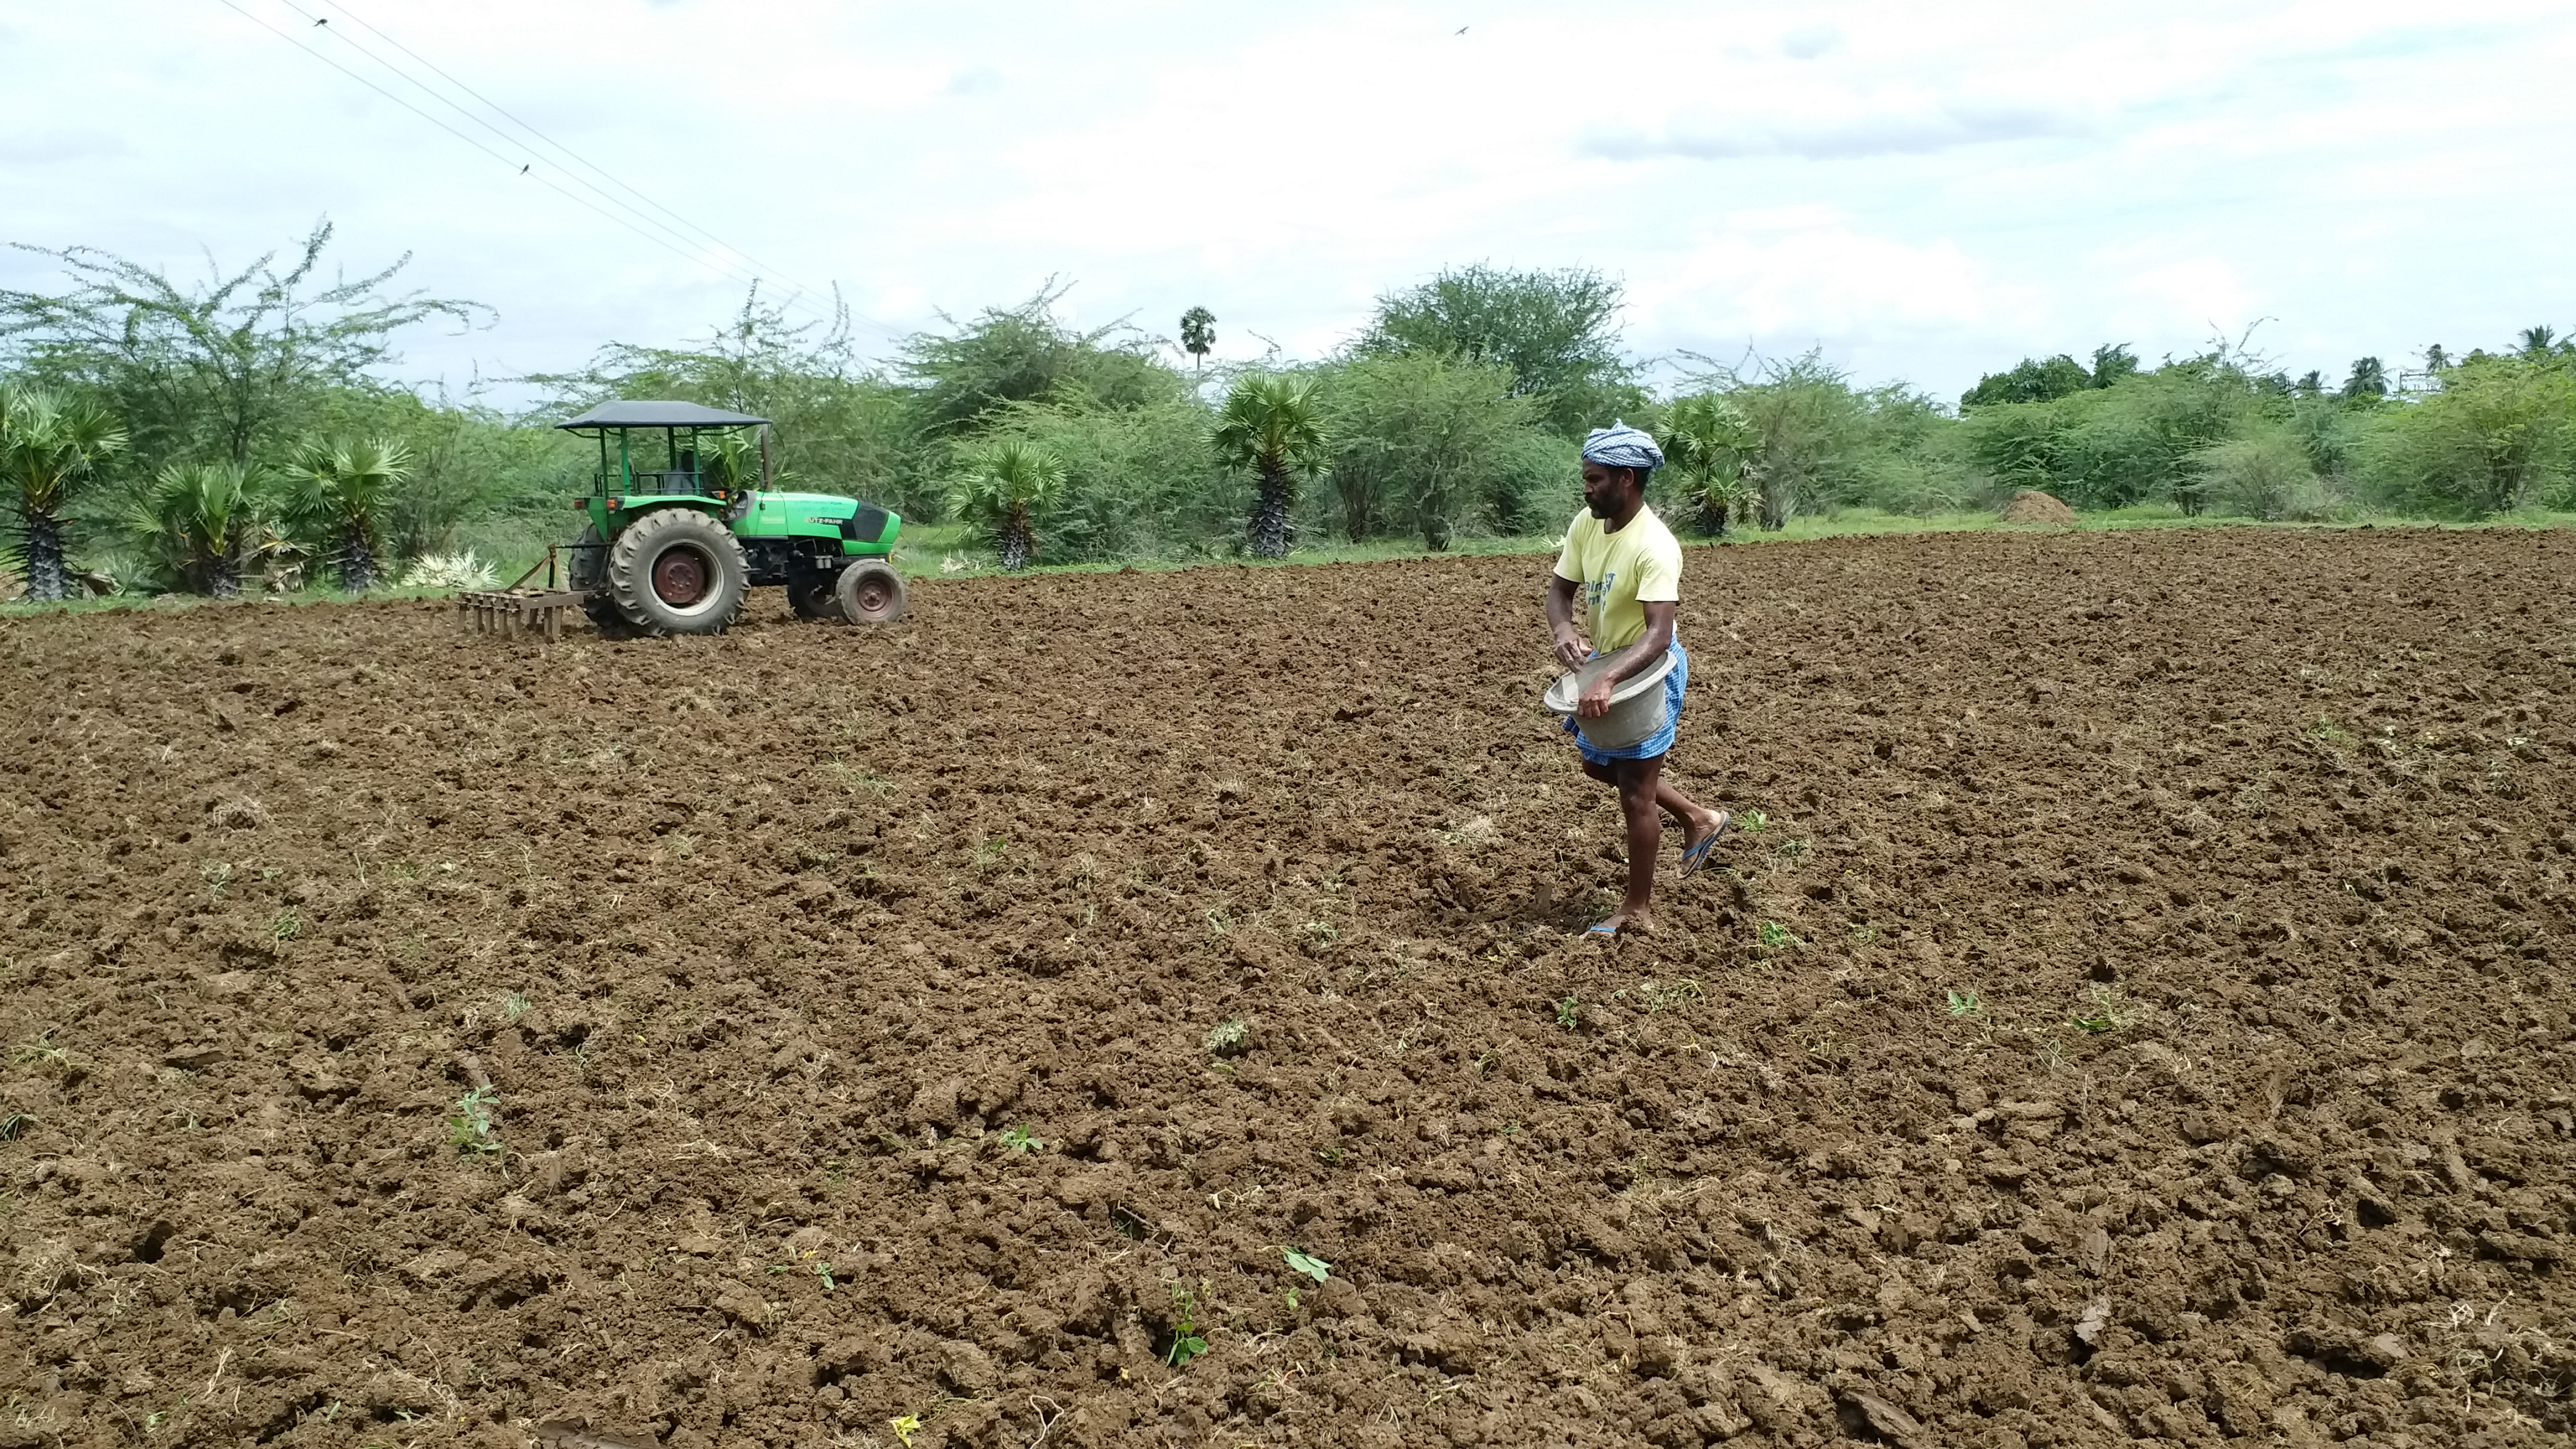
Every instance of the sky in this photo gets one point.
(1921, 193)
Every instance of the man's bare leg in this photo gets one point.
(1640, 782)
(1697, 820)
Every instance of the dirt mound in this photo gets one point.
(2139, 1011)
(2032, 506)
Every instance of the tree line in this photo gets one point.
(248, 429)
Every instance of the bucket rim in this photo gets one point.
(1566, 690)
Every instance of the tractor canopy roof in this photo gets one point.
(658, 415)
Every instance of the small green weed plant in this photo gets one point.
(2105, 1015)
(469, 1123)
(1187, 1341)
(1663, 996)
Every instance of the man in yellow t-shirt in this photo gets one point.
(1625, 569)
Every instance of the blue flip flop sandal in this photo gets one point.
(1697, 855)
(1607, 931)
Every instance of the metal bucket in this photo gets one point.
(1636, 704)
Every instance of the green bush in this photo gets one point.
(963, 377)
(2499, 435)
(2264, 474)
(2129, 443)
(1140, 482)
(1536, 484)
(1430, 444)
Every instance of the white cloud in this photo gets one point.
(1744, 285)
(2203, 289)
(1894, 131)
(1929, 191)
(1810, 41)
(60, 144)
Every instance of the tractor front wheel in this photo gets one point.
(678, 571)
(815, 601)
(870, 593)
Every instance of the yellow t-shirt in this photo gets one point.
(1640, 564)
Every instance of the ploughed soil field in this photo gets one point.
(2141, 1014)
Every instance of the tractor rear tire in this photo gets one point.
(678, 571)
(604, 617)
(585, 560)
(870, 592)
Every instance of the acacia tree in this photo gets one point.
(1008, 483)
(219, 368)
(339, 493)
(1558, 332)
(1413, 435)
(961, 378)
(1271, 425)
(49, 447)
(1198, 335)
(2501, 433)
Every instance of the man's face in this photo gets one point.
(1605, 490)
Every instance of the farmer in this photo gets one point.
(1627, 569)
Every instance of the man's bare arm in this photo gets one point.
(1650, 646)
(1629, 661)
(1571, 647)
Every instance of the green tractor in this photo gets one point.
(680, 534)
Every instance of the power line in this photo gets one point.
(595, 168)
(735, 273)
(684, 248)
(685, 252)
(741, 274)
(461, 136)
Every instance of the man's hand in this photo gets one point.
(1572, 648)
(1596, 697)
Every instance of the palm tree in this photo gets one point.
(1198, 336)
(2368, 382)
(49, 447)
(1272, 425)
(199, 523)
(1709, 440)
(339, 491)
(2539, 341)
(1009, 483)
